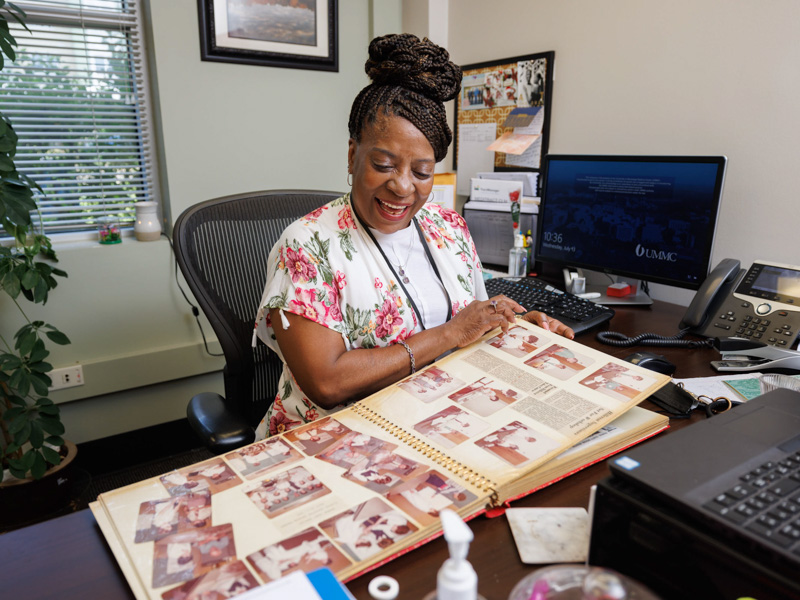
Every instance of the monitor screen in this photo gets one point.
(648, 217)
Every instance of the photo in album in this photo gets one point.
(383, 470)
(227, 581)
(431, 384)
(214, 475)
(160, 518)
(354, 446)
(618, 382)
(184, 556)
(262, 457)
(316, 436)
(306, 551)
(560, 362)
(286, 491)
(451, 426)
(425, 496)
(367, 529)
(517, 341)
(516, 443)
(485, 396)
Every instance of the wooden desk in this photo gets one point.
(67, 558)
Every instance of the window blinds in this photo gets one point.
(77, 96)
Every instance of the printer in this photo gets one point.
(488, 213)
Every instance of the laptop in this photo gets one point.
(737, 472)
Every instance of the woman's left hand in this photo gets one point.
(548, 323)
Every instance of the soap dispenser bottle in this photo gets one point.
(518, 257)
(456, 579)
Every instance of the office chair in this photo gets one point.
(222, 246)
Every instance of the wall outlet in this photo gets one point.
(66, 377)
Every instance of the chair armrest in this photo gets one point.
(220, 429)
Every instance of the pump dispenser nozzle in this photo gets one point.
(457, 579)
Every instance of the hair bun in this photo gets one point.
(419, 65)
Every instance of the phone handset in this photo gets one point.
(712, 293)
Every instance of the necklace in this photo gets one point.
(401, 265)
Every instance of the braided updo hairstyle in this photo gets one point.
(411, 78)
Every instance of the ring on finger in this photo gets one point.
(494, 305)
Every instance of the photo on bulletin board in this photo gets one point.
(505, 104)
(296, 35)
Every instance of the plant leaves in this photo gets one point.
(52, 411)
(20, 382)
(37, 436)
(52, 425)
(21, 436)
(40, 385)
(11, 285)
(30, 279)
(6, 164)
(54, 440)
(39, 466)
(25, 341)
(57, 337)
(39, 352)
(51, 456)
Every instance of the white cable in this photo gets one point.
(384, 587)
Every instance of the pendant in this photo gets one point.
(403, 275)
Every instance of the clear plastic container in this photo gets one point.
(518, 258)
(579, 582)
(773, 381)
(109, 231)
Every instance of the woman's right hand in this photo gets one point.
(481, 316)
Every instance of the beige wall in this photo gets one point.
(677, 77)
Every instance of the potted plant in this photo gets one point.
(31, 430)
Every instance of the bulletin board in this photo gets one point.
(491, 90)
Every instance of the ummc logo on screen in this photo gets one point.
(656, 254)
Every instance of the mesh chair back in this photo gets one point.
(222, 247)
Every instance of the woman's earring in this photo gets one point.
(350, 179)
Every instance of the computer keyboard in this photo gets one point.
(535, 294)
(767, 502)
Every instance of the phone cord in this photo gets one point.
(614, 338)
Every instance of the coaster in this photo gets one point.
(550, 535)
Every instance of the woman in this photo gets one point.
(377, 284)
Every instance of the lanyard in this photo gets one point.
(411, 302)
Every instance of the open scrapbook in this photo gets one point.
(496, 420)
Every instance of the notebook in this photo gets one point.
(738, 471)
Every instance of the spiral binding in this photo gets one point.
(459, 469)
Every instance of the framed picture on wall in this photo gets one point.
(297, 34)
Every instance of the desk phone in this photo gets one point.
(764, 304)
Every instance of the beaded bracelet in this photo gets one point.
(410, 355)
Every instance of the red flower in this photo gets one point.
(454, 219)
(388, 318)
(311, 415)
(341, 280)
(346, 219)
(300, 268)
(315, 214)
(307, 305)
(279, 423)
(334, 310)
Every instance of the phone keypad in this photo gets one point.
(771, 331)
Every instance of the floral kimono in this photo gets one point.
(326, 268)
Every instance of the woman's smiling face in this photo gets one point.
(392, 168)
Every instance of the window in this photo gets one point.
(77, 96)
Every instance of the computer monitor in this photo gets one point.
(648, 218)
